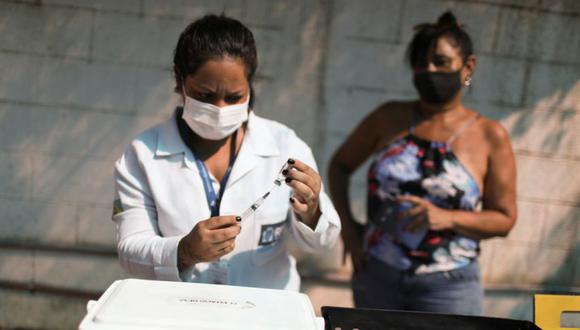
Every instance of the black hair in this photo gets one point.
(423, 44)
(214, 37)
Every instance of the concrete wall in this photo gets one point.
(79, 79)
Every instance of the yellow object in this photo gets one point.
(548, 309)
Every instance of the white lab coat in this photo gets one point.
(160, 198)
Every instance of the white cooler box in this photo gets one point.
(141, 304)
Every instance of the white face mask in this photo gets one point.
(212, 122)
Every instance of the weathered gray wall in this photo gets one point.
(78, 79)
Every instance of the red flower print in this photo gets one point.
(393, 151)
(433, 240)
(373, 188)
(375, 237)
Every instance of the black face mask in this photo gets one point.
(437, 87)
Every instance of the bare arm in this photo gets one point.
(352, 153)
(362, 142)
(499, 196)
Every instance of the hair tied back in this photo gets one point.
(448, 20)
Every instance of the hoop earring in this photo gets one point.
(467, 82)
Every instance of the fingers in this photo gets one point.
(298, 171)
(412, 212)
(223, 246)
(298, 206)
(418, 223)
(210, 239)
(219, 222)
(410, 198)
(217, 236)
(306, 185)
(302, 177)
(295, 163)
(418, 212)
(302, 192)
(223, 251)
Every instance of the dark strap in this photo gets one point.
(213, 199)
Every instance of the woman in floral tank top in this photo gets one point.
(442, 179)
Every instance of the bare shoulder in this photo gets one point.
(380, 125)
(395, 109)
(494, 132)
(491, 129)
(392, 113)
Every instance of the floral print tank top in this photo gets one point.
(430, 170)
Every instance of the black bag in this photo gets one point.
(380, 319)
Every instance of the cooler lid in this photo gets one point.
(144, 304)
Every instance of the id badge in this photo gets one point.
(218, 272)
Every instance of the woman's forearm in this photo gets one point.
(339, 182)
(481, 225)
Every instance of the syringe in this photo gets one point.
(260, 201)
(255, 206)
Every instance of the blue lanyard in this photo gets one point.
(213, 199)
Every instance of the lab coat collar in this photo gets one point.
(258, 142)
(259, 137)
(168, 140)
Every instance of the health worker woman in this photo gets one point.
(183, 187)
